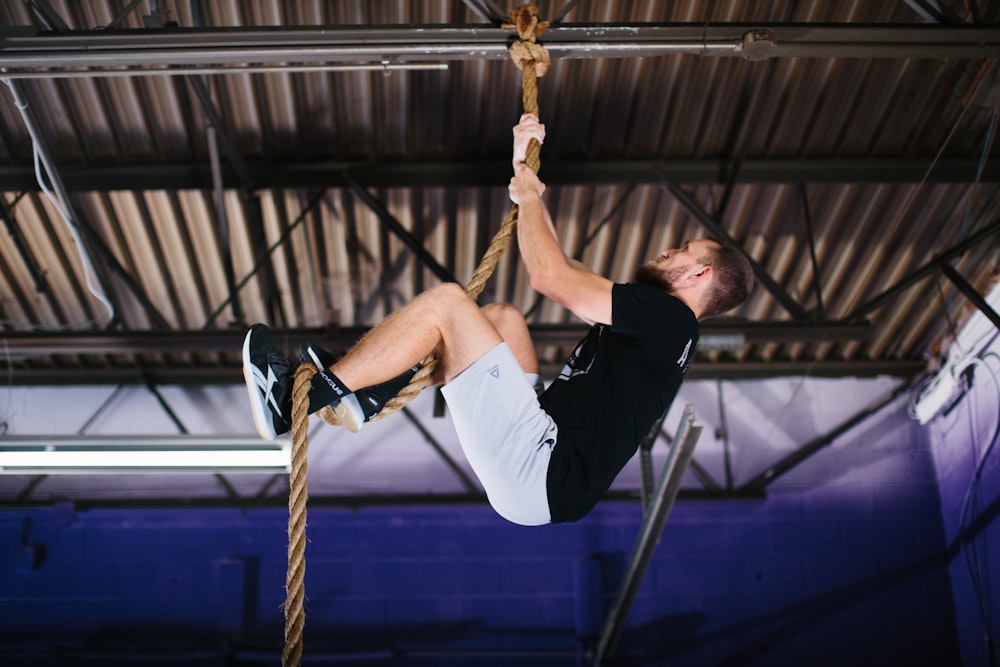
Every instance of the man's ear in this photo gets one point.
(703, 273)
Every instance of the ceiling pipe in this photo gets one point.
(106, 52)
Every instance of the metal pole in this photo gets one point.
(646, 462)
(111, 50)
(678, 458)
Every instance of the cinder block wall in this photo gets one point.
(845, 562)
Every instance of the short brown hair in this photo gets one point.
(733, 280)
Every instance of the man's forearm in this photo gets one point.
(537, 241)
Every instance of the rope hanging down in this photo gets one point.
(533, 61)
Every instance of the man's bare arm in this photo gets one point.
(564, 280)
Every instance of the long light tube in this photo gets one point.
(118, 454)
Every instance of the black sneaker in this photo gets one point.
(269, 382)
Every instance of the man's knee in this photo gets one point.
(503, 315)
(448, 297)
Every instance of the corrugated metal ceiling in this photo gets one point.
(840, 176)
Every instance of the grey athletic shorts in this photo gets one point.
(505, 435)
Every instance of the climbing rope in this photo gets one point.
(533, 61)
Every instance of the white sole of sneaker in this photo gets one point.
(349, 418)
(261, 416)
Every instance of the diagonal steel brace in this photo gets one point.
(681, 450)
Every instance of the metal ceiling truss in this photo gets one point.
(397, 228)
(941, 262)
(468, 482)
(760, 482)
(249, 201)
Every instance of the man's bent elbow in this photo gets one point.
(541, 282)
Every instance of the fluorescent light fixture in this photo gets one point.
(946, 386)
(141, 453)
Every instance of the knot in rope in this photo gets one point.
(525, 51)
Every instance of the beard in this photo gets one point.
(652, 275)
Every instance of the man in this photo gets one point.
(541, 459)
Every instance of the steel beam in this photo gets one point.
(970, 292)
(926, 270)
(230, 372)
(23, 250)
(647, 483)
(466, 480)
(43, 10)
(766, 477)
(681, 450)
(23, 345)
(492, 173)
(397, 228)
(107, 52)
(249, 200)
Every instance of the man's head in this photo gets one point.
(710, 277)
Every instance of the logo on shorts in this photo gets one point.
(494, 371)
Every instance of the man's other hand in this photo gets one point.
(525, 183)
(527, 129)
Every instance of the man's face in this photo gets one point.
(673, 266)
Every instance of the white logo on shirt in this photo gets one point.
(684, 354)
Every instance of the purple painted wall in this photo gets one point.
(845, 562)
(968, 462)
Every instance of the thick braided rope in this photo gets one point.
(298, 495)
(533, 61)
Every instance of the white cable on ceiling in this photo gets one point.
(58, 200)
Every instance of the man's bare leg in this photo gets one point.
(443, 318)
(510, 324)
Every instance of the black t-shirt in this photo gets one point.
(620, 379)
